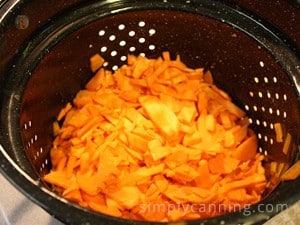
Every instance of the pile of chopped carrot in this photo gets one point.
(152, 135)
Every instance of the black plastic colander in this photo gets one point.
(46, 64)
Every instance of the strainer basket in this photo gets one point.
(252, 63)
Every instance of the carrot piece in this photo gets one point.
(130, 95)
(176, 159)
(78, 119)
(152, 192)
(96, 61)
(94, 122)
(230, 164)
(98, 199)
(140, 66)
(210, 123)
(278, 132)
(160, 70)
(292, 173)
(74, 195)
(188, 113)
(157, 151)
(84, 161)
(128, 196)
(131, 59)
(185, 173)
(249, 180)
(140, 174)
(202, 101)
(97, 81)
(112, 210)
(58, 158)
(83, 97)
(71, 164)
(287, 143)
(161, 182)
(176, 214)
(171, 102)
(56, 128)
(246, 150)
(64, 111)
(226, 120)
(208, 78)
(123, 82)
(161, 115)
(58, 178)
(204, 179)
(216, 164)
(87, 183)
(184, 194)
(232, 108)
(237, 195)
(166, 56)
(239, 133)
(136, 142)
